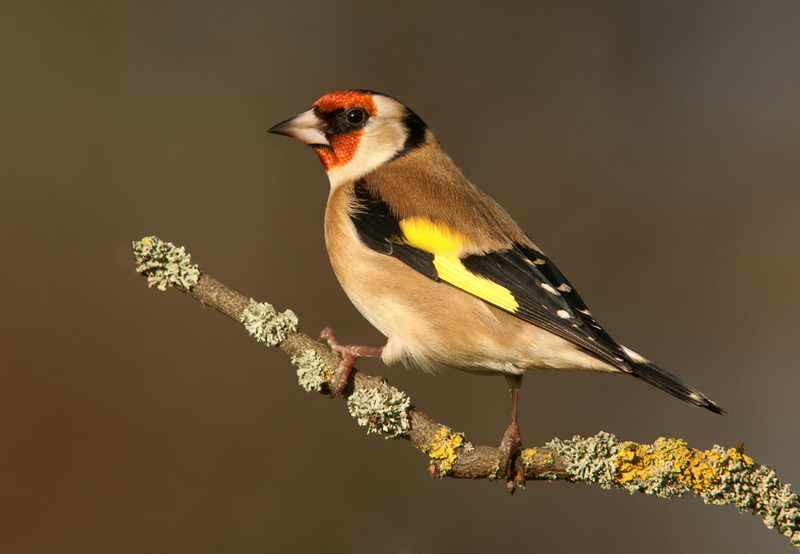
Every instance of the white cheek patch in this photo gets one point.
(384, 136)
(368, 157)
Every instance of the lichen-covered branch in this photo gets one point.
(667, 468)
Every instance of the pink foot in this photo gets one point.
(349, 354)
(510, 445)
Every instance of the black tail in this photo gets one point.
(651, 373)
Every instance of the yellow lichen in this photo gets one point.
(527, 455)
(698, 470)
(442, 449)
(737, 455)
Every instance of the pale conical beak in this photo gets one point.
(306, 127)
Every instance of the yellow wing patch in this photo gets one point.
(446, 244)
(453, 271)
(436, 238)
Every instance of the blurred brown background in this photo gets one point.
(650, 148)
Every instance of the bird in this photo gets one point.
(442, 270)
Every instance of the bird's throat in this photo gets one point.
(342, 149)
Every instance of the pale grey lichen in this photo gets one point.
(312, 371)
(382, 409)
(590, 460)
(164, 264)
(756, 488)
(266, 325)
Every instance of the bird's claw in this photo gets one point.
(510, 445)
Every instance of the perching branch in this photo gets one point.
(667, 468)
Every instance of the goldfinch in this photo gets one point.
(441, 269)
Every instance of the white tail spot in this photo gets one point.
(634, 357)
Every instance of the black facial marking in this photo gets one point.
(416, 130)
(341, 121)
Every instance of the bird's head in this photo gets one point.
(355, 131)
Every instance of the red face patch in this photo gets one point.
(345, 99)
(343, 146)
(341, 150)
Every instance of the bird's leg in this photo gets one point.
(349, 354)
(511, 440)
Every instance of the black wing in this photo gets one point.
(543, 295)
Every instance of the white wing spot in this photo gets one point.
(539, 261)
(564, 314)
(564, 287)
(549, 289)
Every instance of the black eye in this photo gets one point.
(356, 116)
